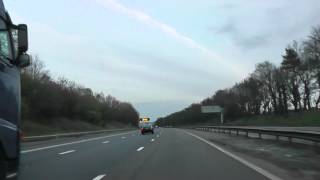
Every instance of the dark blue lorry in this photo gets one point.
(13, 57)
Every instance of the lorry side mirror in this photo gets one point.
(24, 60)
(22, 38)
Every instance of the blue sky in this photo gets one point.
(161, 55)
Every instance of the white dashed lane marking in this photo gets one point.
(140, 148)
(105, 142)
(99, 177)
(67, 152)
(12, 175)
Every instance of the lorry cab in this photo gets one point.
(13, 45)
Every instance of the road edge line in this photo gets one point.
(241, 160)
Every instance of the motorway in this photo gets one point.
(168, 154)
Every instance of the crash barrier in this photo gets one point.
(289, 135)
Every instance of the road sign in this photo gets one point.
(211, 109)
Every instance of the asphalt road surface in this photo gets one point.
(167, 154)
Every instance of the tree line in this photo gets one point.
(44, 99)
(292, 86)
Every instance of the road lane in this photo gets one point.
(177, 155)
(92, 158)
(173, 155)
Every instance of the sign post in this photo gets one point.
(221, 117)
(213, 109)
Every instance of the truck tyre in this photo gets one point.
(3, 167)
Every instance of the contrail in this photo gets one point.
(167, 29)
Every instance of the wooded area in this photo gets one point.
(293, 86)
(45, 99)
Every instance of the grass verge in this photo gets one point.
(33, 128)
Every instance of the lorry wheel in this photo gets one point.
(3, 167)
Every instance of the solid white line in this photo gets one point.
(152, 140)
(105, 142)
(245, 162)
(99, 177)
(74, 142)
(67, 152)
(140, 148)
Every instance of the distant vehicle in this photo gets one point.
(13, 45)
(147, 127)
(145, 119)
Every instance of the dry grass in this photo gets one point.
(62, 125)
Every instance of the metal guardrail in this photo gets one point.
(72, 134)
(290, 135)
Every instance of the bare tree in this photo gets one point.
(264, 72)
(291, 63)
(312, 54)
